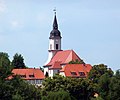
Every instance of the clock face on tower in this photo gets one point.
(56, 40)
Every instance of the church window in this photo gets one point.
(57, 46)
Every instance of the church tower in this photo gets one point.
(54, 40)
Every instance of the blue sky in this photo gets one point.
(90, 27)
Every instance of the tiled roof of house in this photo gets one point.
(64, 57)
(76, 70)
(56, 65)
(28, 74)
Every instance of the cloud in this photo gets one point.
(2, 6)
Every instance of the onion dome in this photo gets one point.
(55, 33)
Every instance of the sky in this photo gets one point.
(89, 27)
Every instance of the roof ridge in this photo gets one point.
(76, 55)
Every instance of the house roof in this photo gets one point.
(64, 57)
(56, 65)
(29, 73)
(74, 70)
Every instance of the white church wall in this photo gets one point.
(50, 73)
(53, 42)
(62, 66)
(53, 72)
(45, 70)
(50, 55)
(57, 41)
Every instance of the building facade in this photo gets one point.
(32, 75)
(59, 59)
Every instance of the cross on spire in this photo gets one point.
(54, 10)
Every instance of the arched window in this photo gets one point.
(56, 46)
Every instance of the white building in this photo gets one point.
(57, 58)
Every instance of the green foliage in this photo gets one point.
(17, 97)
(117, 74)
(5, 90)
(107, 84)
(4, 59)
(5, 66)
(16, 88)
(25, 90)
(115, 87)
(77, 62)
(18, 61)
(101, 80)
(59, 95)
(97, 71)
(78, 88)
(103, 86)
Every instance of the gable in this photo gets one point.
(64, 57)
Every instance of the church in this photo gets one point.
(63, 62)
(59, 60)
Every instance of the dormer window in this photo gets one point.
(81, 73)
(23, 76)
(31, 76)
(73, 73)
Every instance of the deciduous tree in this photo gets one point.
(97, 71)
(18, 61)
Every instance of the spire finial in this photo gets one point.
(55, 25)
(54, 10)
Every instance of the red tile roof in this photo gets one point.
(56, 65)
(29, 73)
(76, 69)
(64, 57)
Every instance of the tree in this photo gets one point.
(114, 86)
(15, 88)
(24, 89)
(103, 86)
(18, 61)
(76, 62)
(97, 71)
(5, 72)
(5, 66)
(78, 88)
(59, 95)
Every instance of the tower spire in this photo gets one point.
(55, 33)
(54, 10)
(54, 39)
(55, 25)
